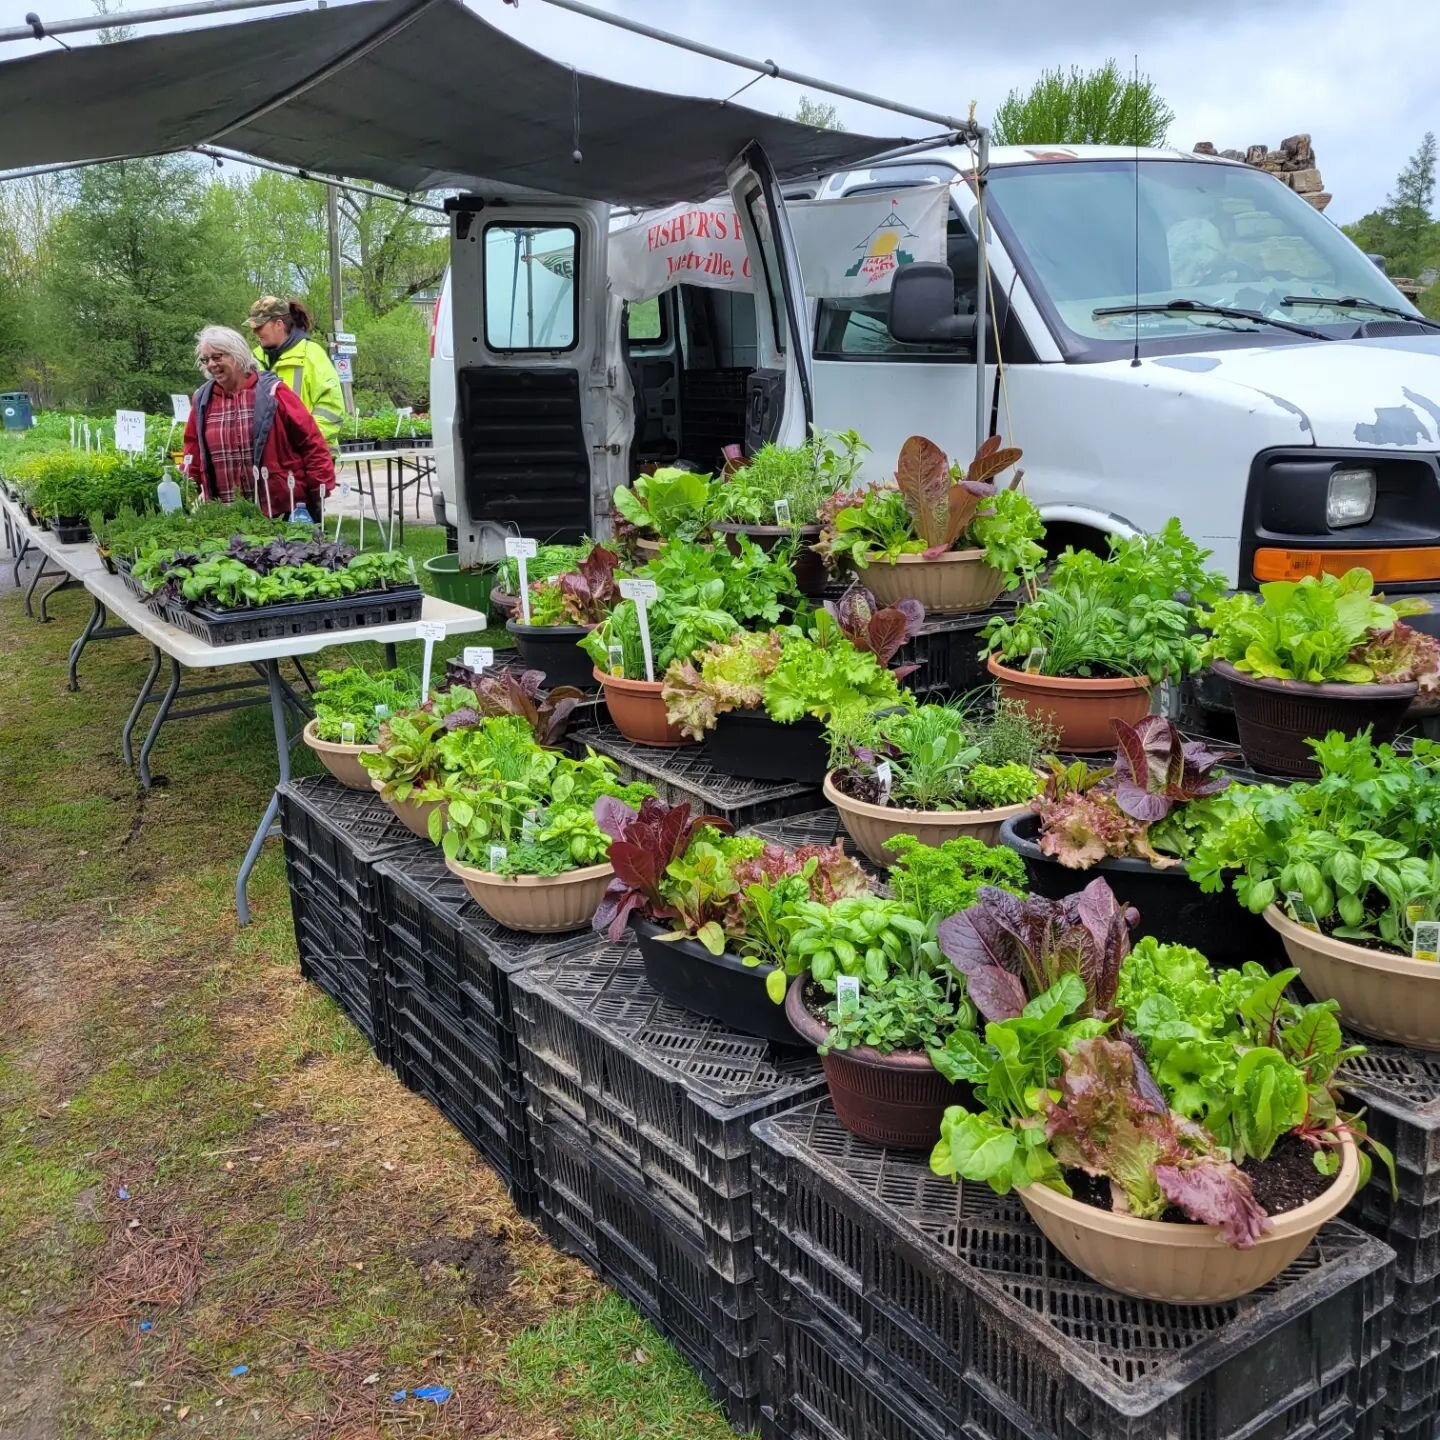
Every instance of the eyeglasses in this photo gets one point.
(204, 360)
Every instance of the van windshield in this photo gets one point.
(1216, 234)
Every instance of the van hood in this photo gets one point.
(1343, 394)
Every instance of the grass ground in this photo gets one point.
(202, 1168)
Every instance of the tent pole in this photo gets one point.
(139, 17)
(762, 67)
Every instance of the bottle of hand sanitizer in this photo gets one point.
(167, 492)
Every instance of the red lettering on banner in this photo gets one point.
(702, 227)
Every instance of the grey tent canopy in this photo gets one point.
(415, 94)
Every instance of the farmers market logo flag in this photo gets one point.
(883, 251)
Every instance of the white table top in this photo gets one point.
(79, 560)
(361, 456)
(195, 654)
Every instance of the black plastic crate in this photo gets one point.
(683, 774)
(599, 1209)
(947, 650)
(395, 606)
(447, 1061)
(669, 1094)
(336, 957)
(963, 1319)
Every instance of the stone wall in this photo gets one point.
(1293, 163)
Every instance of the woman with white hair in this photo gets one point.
(249, 435)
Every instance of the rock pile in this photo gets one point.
(1293, 163)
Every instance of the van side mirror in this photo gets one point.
(1378, 261)
(922, 307)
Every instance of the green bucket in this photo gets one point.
(460, 587)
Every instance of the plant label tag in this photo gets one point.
(882, 774)
(347, 733)
(519, 548)
(615, 659)
(498, 856)
(1425, 944)
(382, 712)
(641, 593)
(1415, 911)
(782, 512)
(344, 489)
(429, 631)
(847, 994)
(130, 431)
(479, 657)
(1035, 660)
(72, 432)
(1301, 912)
(528, 827)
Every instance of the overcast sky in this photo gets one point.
(1356, 74)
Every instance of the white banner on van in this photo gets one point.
(854, 246)
(846, 247)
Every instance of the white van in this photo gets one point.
(1178, 335)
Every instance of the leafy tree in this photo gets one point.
(1101, 107)
(819, 113)
(1403, 230)
(394, 353)
(394, 251)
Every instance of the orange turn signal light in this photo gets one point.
(1389, 567)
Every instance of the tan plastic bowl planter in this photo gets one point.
(537, 904)
(648, 548)
(342, 761)
(1084, 711)
(1178, 1263)
(951, 584)
(638, 710)
(1389, 996)
(870, 826)
(413, 815)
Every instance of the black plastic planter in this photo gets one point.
(752, 746)
(555, 649)
(71, 530)
(721, 987)
(1172, 907)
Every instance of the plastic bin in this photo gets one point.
(460, 587)
(900, 1306)
(16, 410)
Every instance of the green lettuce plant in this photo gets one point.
(671, 504)
(359, 699)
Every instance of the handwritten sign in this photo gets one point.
(180, 408)
(130, 431)
(429, 631)
(479, 657)
(641, 593)
(519, 549)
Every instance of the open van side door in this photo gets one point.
(528, 314)
(779, 404)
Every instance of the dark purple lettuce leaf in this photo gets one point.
(1156, 769)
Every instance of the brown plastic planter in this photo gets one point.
(413, 815)
(342, 761)
(537, 904)
(1084, 711)
(870, 826)
(504, 603)
(1179, 1263)
(951, 584)
(896, 1100)
(1276, 717)
(810, 576)
(638, 710)
(1392, 997)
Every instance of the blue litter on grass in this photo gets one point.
(147, 1325)
(438, 1393)
(123, 1193)
(399, 1394)
(239, 1369)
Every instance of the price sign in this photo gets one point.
(847, 994)
(429, 631)
(642, 592)
(404, 413)
(782, 512)
(479, 657)
(1425, 944)
(130, 431)
(520, 550)
(180, 408)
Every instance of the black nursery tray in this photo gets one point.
(306, 617)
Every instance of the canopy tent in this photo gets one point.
(415, 94)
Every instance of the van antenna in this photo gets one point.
(1135, 136)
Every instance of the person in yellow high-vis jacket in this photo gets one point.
(282, 328)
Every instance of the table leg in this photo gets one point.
(20, 560)
(94, 623)
(139, 705)
(282, 756)
(300, 670)
(45, 616)
(384, 530)
(390, 661)
(34, 583)
(161, 711)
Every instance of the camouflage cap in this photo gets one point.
(267, 308)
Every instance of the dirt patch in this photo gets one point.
(484, 1262)
(30, 1384)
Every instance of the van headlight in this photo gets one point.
(1350, 499)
